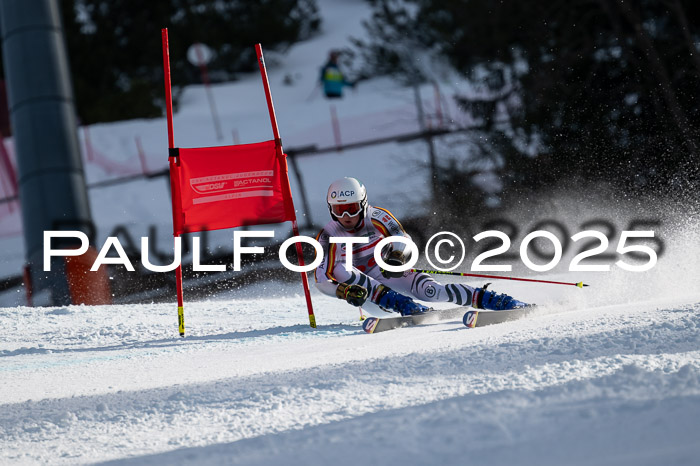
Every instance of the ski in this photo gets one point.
(382, 324)
(480, 318)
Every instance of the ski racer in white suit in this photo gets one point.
(367, 283)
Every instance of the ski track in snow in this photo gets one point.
(255, 385)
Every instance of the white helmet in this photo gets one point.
(347, 196)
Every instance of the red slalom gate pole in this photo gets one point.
(497, 277)
(285, 179)
(174, 162)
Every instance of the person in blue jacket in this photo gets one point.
(332, 78)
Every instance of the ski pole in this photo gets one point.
(497, 277)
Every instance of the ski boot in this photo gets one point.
(388, 299)
(485, 299)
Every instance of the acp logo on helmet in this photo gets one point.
(335, 194)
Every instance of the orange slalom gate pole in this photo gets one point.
(285, 180)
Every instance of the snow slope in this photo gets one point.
(607, 375)
(252, 384)
(603, 375)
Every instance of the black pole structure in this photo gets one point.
(52, 188)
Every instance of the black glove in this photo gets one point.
(353, 294)
(395, 258)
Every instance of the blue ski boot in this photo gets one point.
(486, 299)
(393, 301)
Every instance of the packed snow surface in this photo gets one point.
(608, 374)
(253, 384)
(605, 375)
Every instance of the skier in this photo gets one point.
(332, 78)
(353, 217)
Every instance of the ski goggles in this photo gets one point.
(351, 210)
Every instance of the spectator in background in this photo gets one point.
(332, 78)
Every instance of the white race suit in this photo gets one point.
(378, 224)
